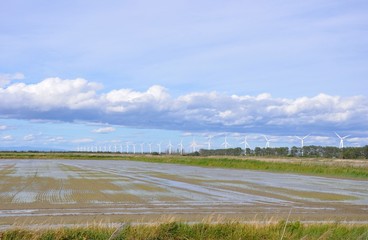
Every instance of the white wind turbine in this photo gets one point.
(142, 145)
(150, 147)
(170, 147)
(181, 147)
(267, 141)
(127, 147)
(193, 145)
(134, 147)
(225, 143)
(302, 142)
(209, 142)
(341, 140)
(159, 148)
(245, 142)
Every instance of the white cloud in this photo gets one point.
(7, 138)
(104, 130)
(3, 127)
(124, 100)
(7, 78)
(56, 139)
(29, 137)
(78, 99)
(51, 93)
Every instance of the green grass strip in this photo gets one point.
(177, 230)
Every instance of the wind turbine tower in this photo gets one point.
(150, 147)
(341, 140)
(142, 144)
(133, 148)
(209, 142)
(127, 147)
(159, 148)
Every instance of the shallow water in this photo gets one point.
(90, 187)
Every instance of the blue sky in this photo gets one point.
(108, 72)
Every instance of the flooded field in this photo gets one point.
(80, 191)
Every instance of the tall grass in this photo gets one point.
(299, 167)
(177, 230)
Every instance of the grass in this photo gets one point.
(317, 168)
(178, 230)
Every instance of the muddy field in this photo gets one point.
(81, 191)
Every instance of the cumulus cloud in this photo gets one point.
(29, 137)
(79, 99)
(7, 138)
(7, 78)
(3, 127)
(104, 130)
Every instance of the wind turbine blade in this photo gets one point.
(337, 135)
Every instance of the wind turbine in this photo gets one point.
(142, 144)
(181, 147)
(245, 145)
(170, 147)
(302, 142)
(341, 140)
(209, 142)
(127, 147)
(134, 148)
(150, 147)
(159, 148)
(225, 143)
(267, 141)
(193, 145)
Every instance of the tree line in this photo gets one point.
(306, 151)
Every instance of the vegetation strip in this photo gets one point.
(176, 230)
(302, 166)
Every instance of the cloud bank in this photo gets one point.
(104, 130)
(80, 100)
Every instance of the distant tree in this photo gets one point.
(294, 151)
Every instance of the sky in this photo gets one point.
(103, 73)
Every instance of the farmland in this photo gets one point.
(340, 168)
(83, 191)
